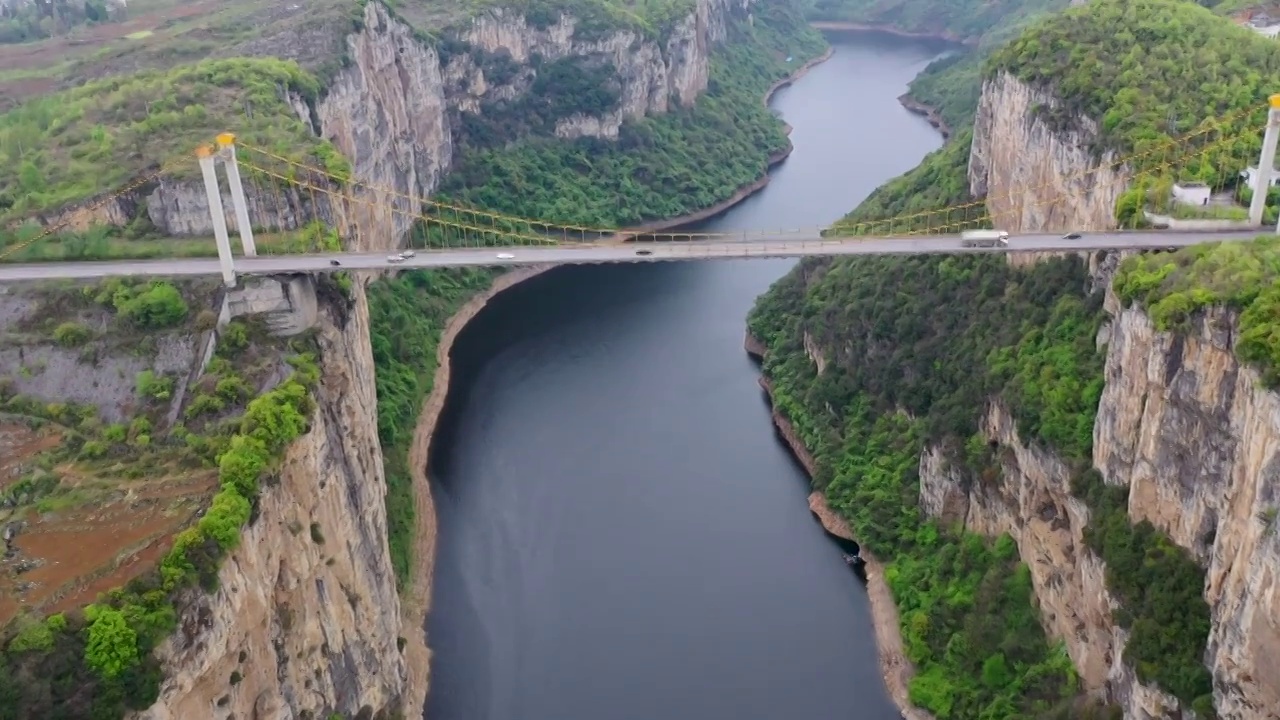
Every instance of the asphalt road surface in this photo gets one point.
(783, 246)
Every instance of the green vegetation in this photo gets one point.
(910, 201)
(1173, 287)
(961, 19)
(923, 343)
(561, 89)
(70, 146)
(34, 22)
(594, 18)
(950, 85)
(1149, 71)
(407, 315)
(98, 662)
(661, 167)
(1161, 591)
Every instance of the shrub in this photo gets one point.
(158, 306)
(112, 647)
(71, 334)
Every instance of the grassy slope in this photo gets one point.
(69, 146)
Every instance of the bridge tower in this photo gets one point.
(1266, 164)
(209, 158)
(210, 172)
(227, 153)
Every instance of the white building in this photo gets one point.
(1191, 193)
(1250, 175)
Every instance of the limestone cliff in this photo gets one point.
(1032, 501)
(306, 618)
(1180, 422)
(1035, 174)
(1196, 439)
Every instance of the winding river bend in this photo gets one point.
(622, 537)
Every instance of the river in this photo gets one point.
(622, 536)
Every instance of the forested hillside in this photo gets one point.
(660, 167)
(1147, 71)
(916, 346)
(949, 85)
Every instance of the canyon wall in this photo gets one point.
(1181, 422)
(306, 619)
(1035, 173)
(1197, 440)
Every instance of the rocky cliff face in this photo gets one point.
(1198, 442)
(306, 618)
(1180, 422)
(1034, 175)
(394, 111)
(1032, 501)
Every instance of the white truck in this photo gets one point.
(984, 238)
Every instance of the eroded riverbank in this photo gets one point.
(895, 669)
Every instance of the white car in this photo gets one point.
(407, 254)
(506, 256)
(394, 259)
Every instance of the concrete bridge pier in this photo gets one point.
(207, 168)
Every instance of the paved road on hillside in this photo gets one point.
(783, 246)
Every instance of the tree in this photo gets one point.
(113, 645)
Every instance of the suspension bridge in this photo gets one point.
(292, 214)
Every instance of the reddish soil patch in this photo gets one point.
(103, 543)
(18, 445)
(49, 56)
(54, 51)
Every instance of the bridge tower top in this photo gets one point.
(227, 139)
(1274, 101)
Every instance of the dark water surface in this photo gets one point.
(622, 536)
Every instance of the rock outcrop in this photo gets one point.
(1197, 440)
(1032, 501)
(1180, 422)
(306, 619)
(1035, 174)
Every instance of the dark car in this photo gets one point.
(1071, 236)
(644, 252)
(334, 263)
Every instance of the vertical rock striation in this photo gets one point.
(1197, 440)
(306, 616)
(1036, 176)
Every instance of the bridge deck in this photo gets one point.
(781, 246)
